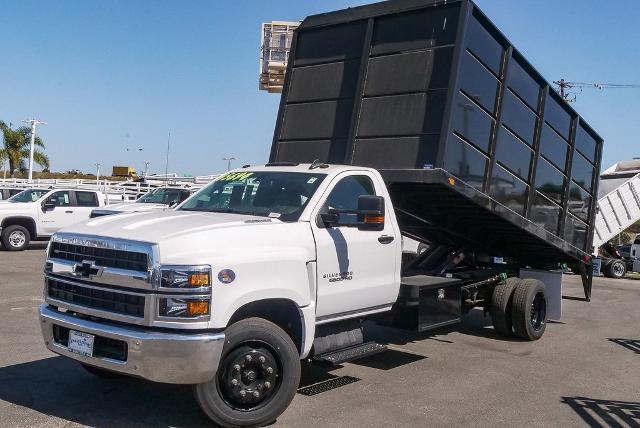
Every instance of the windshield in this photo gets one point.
(29, 195)
(161, 196)
(282, 195)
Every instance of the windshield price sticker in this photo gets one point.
(235, 176)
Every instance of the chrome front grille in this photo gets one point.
(129, 304)
(105, 257)
(112, 279)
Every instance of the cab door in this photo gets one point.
(59, 215)
(358, 270)
(84, 202)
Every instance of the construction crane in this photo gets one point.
(564, 87)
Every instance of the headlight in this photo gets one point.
(185, 278)
(183, 308)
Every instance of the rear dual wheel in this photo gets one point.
(519, 307)
(257, 378)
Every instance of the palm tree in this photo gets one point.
(16, 147)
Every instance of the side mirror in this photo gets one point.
(49, 204)
(173, 203)
(370, 215)
(370, 212)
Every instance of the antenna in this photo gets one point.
(33, 123)
(166, 165)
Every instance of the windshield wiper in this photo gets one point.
(225, 211)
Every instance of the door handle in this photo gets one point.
(386, 239)
(69, 212)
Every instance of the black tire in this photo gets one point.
(221, 400)
(15, 238)
(606, 268)
(501, 307)
(529, 309)
(102, 373)
(617, 269)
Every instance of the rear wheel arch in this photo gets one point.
(284, 313)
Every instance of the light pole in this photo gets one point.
(97, 174)
(139, 150)
(33, 123)
(229, 159)
(146, 168)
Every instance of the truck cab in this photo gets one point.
(154, 294)
(634, 252)
(36, 214)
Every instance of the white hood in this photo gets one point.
(190, 237)
(7, 207)
(162, 225)
(134, 207)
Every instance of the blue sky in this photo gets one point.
(108, 75)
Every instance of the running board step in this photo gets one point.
(350, 353)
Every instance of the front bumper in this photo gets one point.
(178, 358)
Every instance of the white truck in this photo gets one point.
(618, 209)
(156, 199)
(260, 269)
(36, 214)
(272, 264)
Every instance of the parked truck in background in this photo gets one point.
(156, 199)
(399, 119)
(618, 209)
(36, 214)
(124, 171)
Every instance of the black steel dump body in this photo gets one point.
(475, 146)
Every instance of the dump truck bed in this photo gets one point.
(428, 90)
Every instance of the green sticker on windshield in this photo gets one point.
(235, 176)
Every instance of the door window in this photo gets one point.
(86, 199)
(61, 199)
(345, 195)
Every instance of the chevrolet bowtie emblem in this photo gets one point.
(87, 269)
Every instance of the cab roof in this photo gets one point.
(317, 168)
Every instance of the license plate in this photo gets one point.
(81, 343)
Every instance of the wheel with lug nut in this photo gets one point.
(15, 238)
(258, 375)
(529, 309)
(618, 269)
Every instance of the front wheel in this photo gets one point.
(257, 377)
(15, 238)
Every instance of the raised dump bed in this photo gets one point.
(618, 201)
(475, 145)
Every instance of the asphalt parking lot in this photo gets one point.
(584, 371)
